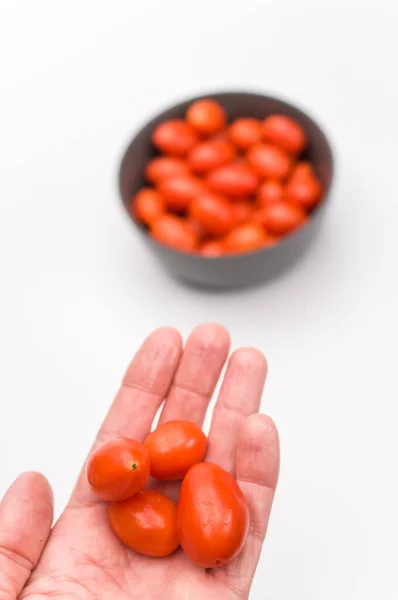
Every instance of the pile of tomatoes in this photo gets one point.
(217, 188)
(210, 521)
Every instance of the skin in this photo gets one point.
(80, 558)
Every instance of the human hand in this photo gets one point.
(82, 559)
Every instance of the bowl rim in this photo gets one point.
(212, 94)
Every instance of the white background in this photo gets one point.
(79, 292)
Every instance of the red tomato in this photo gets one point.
(269, 161)
(212, 249)
(148, 205)
(282, 217)
(196, 228)
(233, 180)
(174, 232)
(246, 238)
(206, 116)
(243, 211)
(118, 469)
(213, 212)
(210, 154)
(178, 191)
(269, 192)
(174, 447)
(285, 133)
(165, 166)
(175, 137)
(306, 192)
(212, 516)
(302, 170)
(245, 132)
(146, 523)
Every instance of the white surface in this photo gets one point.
(78, 293)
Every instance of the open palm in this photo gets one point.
(80, 557)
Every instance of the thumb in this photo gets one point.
(26, 514)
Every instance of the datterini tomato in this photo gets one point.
(178, 191)
(281, 218)
(148, 205)
(213, 212)
(246, 238)
(174, 232)
(206, 116)
(212, 516)
(212, 249)
(146, 523)
(165, 166)
(174, 447)
(209, 155)
(233, 180)
(269, 161)
(118, 469)
(269, 192)
(285, 133)
(175, 137)
(245, 132)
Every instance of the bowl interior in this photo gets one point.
(236, 104)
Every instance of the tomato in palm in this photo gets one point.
(212, 516)
(246, 238)
(148, 205)
(165, 166)
(213, 212)
(269, 192)
(243, 211)
(209, 155)
(282, 217)
(206, 116)
(306, 192)
(174, 447)
(118, 469)
(233, 180)
(285, 133)
(146, 523)
(212, 249)
(174, 137)
(174, 232)
(178, 191)
(269, 161)
(245, 132)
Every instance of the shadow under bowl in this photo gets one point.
(234, 271)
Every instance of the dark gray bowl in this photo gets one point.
(240, 270)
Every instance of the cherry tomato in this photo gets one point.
(302, 170)
(233, 180)
(146, 523)
(245, 132)
(243, 211)
(118, 469)
(212, 249)
(285, 133)
(269, 161)
(174, 447)
(306, 192)
(175, 137)
(246, 238)
(210, 154)
(269, 192)
(148, 205)
(174, 232)
(165, 166)
(206, 116)
(213, 212)
(212, 516)
(282, 217)
(178, 191)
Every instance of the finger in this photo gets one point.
(240, 396)
(202, 361)
(145, 385)
(26, 514)
(257, 470)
